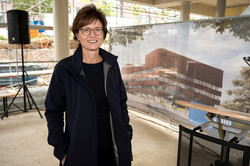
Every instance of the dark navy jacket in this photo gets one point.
(68, 92)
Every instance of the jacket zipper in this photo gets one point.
(93, 98)
(111, 121)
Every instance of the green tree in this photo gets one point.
(105, 6)
(44, 7)
(241, 100)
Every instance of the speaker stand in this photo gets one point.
(26, 93)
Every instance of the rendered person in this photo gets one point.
(88, 88)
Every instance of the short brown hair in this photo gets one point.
(86, 16)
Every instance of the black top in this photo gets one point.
(95, 77)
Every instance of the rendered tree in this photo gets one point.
(241, 101)
(239, 27)
(118, 36)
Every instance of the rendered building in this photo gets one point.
(167, 76)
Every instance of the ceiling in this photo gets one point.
(201, 7)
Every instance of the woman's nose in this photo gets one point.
(92, 33)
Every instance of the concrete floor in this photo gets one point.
(23, 141)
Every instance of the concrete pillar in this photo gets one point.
(185, 10)
(221, 8)
(61, 29)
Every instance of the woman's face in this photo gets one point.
(93, 40)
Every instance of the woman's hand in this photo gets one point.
(63, 160)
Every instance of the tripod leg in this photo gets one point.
(5, 104)
(27, 95)
(28, 92)
(6, 111)
(17, 107)
(24, 99)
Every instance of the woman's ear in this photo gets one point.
(77, 37)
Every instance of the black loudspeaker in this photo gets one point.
(18, 27)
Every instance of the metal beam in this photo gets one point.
(201, 7)
(39, 27)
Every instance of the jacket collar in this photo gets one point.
(77, 58)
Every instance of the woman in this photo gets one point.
(88, 87)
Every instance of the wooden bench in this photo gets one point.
(5, 95)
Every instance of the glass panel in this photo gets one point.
(184, 149)
(236, 157)
(205, 152)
